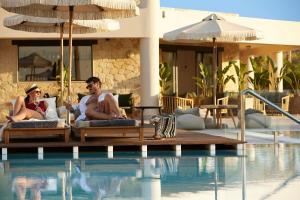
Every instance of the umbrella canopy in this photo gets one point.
(73, 9)
(213, 28)
(54, 25)
(88, 9)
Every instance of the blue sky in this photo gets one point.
(270, 9)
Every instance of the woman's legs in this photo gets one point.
(19, 105)
(21, 112)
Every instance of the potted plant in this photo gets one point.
(203, 82)
(261, 78)
(165, 81)
(242, 74)
(223, 78)
(290, 73)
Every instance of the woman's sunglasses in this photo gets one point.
(37, 92)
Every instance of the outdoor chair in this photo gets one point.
(170, 103)
(223, 101)
(259, 105)
(285, 101)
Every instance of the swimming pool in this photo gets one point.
(265, 172)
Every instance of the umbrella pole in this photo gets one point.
(61, 63)
(71, 8)
(214, 64)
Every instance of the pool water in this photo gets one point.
(264, 172)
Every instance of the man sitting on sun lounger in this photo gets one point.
(97, 105)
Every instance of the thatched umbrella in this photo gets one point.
(54, 25)
(73, 9)
(33, 61)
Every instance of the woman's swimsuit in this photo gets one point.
(34, 106)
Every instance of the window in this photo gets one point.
(42, 62)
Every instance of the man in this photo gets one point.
(97, 105)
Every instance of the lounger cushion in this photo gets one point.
(101, 123)
(257, 120)
(193, 111)
(51, 110)
(190, 122)
(35, 124)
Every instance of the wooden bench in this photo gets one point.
(35, 133)
(107, 130)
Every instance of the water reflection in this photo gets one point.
(34, 184)
(264, 173)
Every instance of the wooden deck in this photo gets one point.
(182, 138)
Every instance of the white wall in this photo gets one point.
(274, 31)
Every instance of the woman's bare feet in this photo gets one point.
(122, 117)
(11, 119)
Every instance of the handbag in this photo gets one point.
(165, 125)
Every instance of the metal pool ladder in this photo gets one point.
(253, 93)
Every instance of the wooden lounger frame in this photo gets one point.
(8, 132)
(98, 131)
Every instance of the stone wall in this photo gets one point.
(115, 61)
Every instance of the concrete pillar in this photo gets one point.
(290, 56)
(249, 102)
(279, 64)
(149, 49)
(250, 68)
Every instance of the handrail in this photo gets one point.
(253, 93)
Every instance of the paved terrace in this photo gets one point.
(286, 130)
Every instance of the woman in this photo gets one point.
(29, 107)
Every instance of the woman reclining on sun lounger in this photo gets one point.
(29, 107)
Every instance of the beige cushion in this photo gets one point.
(51, 110)
(62, 113)
(193, 111)
(257, 120)
(190, 122)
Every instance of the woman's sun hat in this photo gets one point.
(30, 88)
